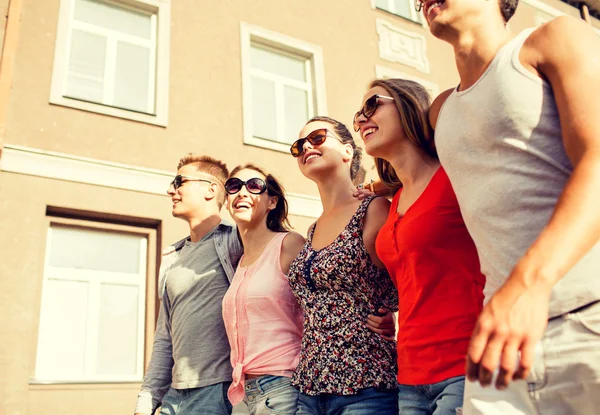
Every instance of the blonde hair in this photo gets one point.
(211, 166)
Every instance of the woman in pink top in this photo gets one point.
(262, 317)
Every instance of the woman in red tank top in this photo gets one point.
(425, 247)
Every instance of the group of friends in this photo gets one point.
(489, 250)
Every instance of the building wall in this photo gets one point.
(206, 117)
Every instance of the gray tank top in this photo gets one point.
(500, 143)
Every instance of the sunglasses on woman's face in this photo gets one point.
(418, 5)
(255, 185)
(315, 138)
(368, 109)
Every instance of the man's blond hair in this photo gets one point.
(212, 167)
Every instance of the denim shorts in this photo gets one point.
(441, 398)
(271, 395)
(207, 400)
(370, 401)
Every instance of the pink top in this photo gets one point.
(263, 320)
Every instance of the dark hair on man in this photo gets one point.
(507, 8)
(412, 101)
(212, 167)
(344, 134)
(277, 219)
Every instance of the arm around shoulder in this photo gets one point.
(291, 247)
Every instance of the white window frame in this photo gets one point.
(159, 73)
(415, 16)
(281, 43)
(385, 72)
(95, 279)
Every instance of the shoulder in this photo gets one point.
(174, 247)
(436, 106)
(563, 37)
(377, 212)
(292, 243)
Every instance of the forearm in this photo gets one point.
(572, 231)
(158, 375)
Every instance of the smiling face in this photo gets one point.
(331, 154)
(248, 209)
(190, 198)
(383, 130)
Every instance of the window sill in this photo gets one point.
(158, 119)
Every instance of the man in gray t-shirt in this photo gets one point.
(189, 371)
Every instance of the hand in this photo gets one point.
(513, 321)
(364, 190)
(384, 324)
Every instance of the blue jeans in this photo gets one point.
(370, 401)
(270, 394)
(208, 400)
(442, 398)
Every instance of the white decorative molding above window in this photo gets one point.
(402, 46)
(383, 72)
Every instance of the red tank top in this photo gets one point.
(434, 264)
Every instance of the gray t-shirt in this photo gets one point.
(500, 141)
(195, 288)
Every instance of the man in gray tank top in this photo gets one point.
(520, 141)
(189, 371)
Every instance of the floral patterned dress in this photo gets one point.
(337, 287)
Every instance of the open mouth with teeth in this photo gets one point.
(242, 205)
(432, 6)
(368, 132)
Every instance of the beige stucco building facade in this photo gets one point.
(99, 100)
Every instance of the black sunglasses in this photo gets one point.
(255, 185)
(179, 180)
(315, 138)
(418, 5)
(368, 109)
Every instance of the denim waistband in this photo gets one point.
(264, 384)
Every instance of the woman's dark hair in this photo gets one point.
(277, 219)
(344, 134)
(412, 101)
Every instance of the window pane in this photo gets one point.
(403, 8)
(296, 112)
(131, 77)
(78, 248)
(113, 17)
(62, 334)
(118, 320)
(86, 66)
(264, 123)
(279, 64)
(382, 4)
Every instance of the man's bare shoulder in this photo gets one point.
(557, 41)
(436, 106)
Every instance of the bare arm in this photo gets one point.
(566, 52)
(376, 216)
(291, 247)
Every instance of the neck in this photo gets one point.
(254, 236)
(413, 165)
(199, 227)
(335, 190)
(474, 49)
